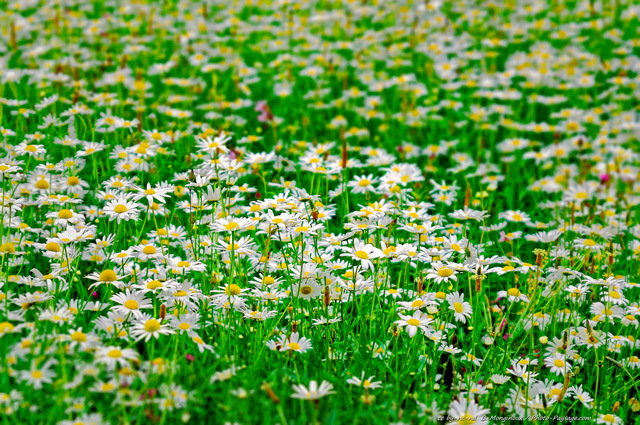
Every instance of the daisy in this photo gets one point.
(231, 224)
(85, 341)
(131, 302)
(465, 411)
(214, 146)
(513, 295)
(424, 301)
(441, 273)
(469, 214)
(362, 184)
(307, 289)
(603, 311)
(364, 253)
(188, 323)
(615, 296)
(25, 148)
(558, 364)
(38, 376)
(224, 375)
(148, 327)
(105, 387)
(84, 418)
(115, 356)
(147, 252)
(515, 216)
(105, 277)
(579, 193)
(296, 343)
(581, 395)
(499, 379)
(365, 383)
(587, 243)
(633, 362)
(159, 193)
(471, 358)
(121, 209)
(462, 310)
(202, 346)
(419, 321)
(178, 266)
(394, 293)
(7, 169)
(65, 217)
(313, 392)
(608, 419)
(521, 372)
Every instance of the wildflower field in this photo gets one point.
(319, 212)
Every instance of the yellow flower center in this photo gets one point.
(445, 272)
(514, 292)
(362, 255)
(65, 214)
(8, 248)
(294, 346)
(458, 307)
(413, 322)
(233, 289)
(120, 209)
(582, 195)
(42, 184)
(154, 284)
(78, 337)
(108, 275)
(6, 327)
(52, 246)
(231, 226)
(268, 280)
(149, 250)
(115, 353)
(152, 325)
(467, 419)
(131, 304)
(417, 304)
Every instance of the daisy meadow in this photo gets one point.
(309, 212)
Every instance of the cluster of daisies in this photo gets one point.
(404, 213)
